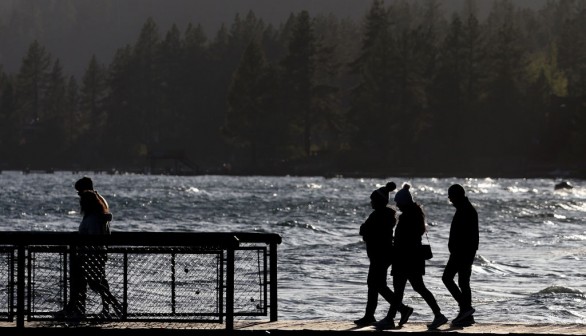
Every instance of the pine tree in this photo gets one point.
(246, 117)
(92, 95)
(299, 69)
(122, 142)
(9, 126)
(456, 91)
(31, 86)
(31, 83)
(146, 78)
(173, 84)
(505, 85)
(371, 107)
(53, 126)
(73, 120)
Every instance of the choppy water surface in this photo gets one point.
(530, 267)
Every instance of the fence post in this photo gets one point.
(20, 283)
(273, 279)
(230, 289)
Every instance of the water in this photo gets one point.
(530, 266)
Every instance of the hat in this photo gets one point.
(382, 194)
(403, 196)
(84, 183)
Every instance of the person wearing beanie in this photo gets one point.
(377, 233)
(462, 244)
(408, 264)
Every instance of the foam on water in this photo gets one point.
(529, 266)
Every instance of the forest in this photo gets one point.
(408, 89)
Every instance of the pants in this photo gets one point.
(377, 284)
(416, 281)
(88, 268)
(460, 264)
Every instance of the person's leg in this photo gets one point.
(375, 277)
(399, 282)
(381, 283)
(448, 279)
(99, 283)
(418, 285)
(78, 284)
(464, 274)
(373, 282)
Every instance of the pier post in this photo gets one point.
(20, 284)
(230, 289)
(273, 280)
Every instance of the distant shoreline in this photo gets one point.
(550, 174)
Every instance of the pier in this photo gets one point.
(291, 328)
(204, 280)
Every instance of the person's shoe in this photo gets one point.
(365, 321)
(405, 314)
(385, 324)
(439, 320)
(60, 315)
(465, 322)
(464, 313)
(68, 314)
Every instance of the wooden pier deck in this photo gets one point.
(285, 328)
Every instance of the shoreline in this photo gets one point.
(553, 175)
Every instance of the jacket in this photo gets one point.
(377, 233)
(464, 229)
(410, 228)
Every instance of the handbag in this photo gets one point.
(425, 249)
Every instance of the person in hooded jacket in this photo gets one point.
(462, 244)
(408, 262)
(377, 233)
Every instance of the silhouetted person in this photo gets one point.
(88, 263)
(377, 233)
(408, 263)
(463, 243)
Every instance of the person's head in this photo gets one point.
(91, 203)
(84, 183)
(456, 194)
(403, 197)
(380, 197)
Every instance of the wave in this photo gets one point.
(296, 224)
(560, 290)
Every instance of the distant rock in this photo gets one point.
(563, 185)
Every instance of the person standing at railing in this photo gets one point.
(88, 263)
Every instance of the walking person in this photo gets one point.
(377, 233)
(462, 244)
(88, 263)
(408, 263)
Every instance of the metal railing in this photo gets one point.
(138, 277)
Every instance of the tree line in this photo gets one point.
(409, 88)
